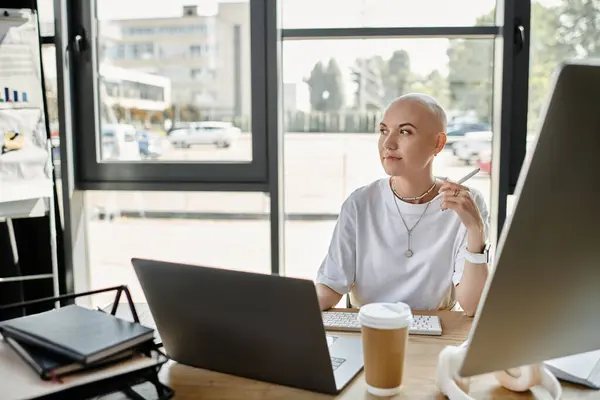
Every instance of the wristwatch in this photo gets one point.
(478, 258)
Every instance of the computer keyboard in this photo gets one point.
(348, 321)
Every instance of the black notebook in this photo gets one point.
(49, 365)
(80, 334)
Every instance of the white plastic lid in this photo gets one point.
(385, 315)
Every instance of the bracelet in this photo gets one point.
(478, 258)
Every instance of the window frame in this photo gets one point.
(91, 173)
(510, 98)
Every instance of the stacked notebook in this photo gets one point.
(72, 339)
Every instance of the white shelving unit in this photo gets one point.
(40, 204)
(23, 98)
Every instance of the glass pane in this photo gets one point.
(385, 13)
(174, 81)
(46, 17)
(223, 230)
(560, 30)
(334, 94)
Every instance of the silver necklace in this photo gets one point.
(409, 253)
(412, 198)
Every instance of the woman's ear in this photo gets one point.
(440, 142)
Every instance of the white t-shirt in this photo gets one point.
(367, 252)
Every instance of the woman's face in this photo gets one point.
(410, 135)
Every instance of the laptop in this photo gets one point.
(258, 326)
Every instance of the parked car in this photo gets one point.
(485, 157)
(457, 131)
(180, 125)
(221, 134)
(473, 144)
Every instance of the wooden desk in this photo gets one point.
(419, 380)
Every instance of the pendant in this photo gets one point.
(408, 253)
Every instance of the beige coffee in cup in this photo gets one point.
(384, 329)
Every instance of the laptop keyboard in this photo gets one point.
(336, 362)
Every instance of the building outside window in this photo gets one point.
(196, 50)
(141, 50)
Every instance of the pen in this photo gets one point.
(468, 176)
(463, 179)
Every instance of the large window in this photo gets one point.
(561, 30)
(183, 126)
(335, 92)
(173, 115)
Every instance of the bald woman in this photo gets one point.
(411, 236)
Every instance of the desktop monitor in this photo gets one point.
(542, 299)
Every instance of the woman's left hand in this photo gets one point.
(459, 198)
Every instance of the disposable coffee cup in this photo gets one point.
(384, 329)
